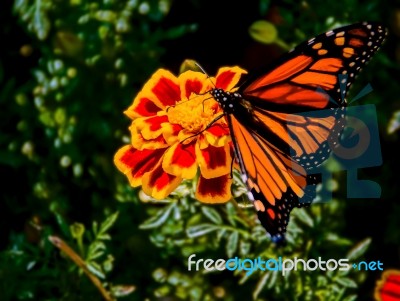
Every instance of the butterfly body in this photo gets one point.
(285, 120)
(227, 100)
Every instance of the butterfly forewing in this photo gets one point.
(302, 99)
(308, 76)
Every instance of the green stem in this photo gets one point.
(80, 245)
(242, 215)
(282, 44)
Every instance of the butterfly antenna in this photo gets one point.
(190, 99)
(208, 77)
(204, 71)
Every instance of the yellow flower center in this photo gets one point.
(194, 114)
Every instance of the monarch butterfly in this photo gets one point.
(275, 142)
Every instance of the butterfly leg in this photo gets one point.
(206, 128)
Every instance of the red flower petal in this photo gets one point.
(171, 132)
(166, 88)
(192, 82)
(218, 130)
(388, 288)
(134, 163)
(140, 143)
(193, 86)
(158, 183)
(227, 78)
(160, 91)
(151, 127)
(143, 107)
(217, 135)
(224, 79)
(214, 161)
(147, 133)
(215, 190)
(180, 160)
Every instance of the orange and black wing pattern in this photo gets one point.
(285, 120)
(276, 184)
(304, 96)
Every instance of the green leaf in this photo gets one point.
(244, 278)
(95, 255)
(304, 217)
(108, 263)
(122, 290)
(232, 243)
(340, 241)
(394, 123)
(231, 213)
(220, 234)
(95, 228)
(107, 224)
(347, 282)
(351, 298)
(260, 285)
(244, 248)
(159, 219)
(63, 225)
(178, 31)
(359, 249)
(41, 23)
(46, 118)
(105, 15)
(177, 213)
(241, 221)
(274, 276)
(37, 16)
(20, 5)
(212, 214)
(104, 236)
(200, 230)
(96, 249)
(337, 290)
(30, 265)
(95, 269)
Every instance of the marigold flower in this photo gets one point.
(174, 135)
(388, 287)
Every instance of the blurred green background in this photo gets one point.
(68, 69)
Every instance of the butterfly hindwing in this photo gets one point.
(276, 218)
(274, 181)
(308, 137)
